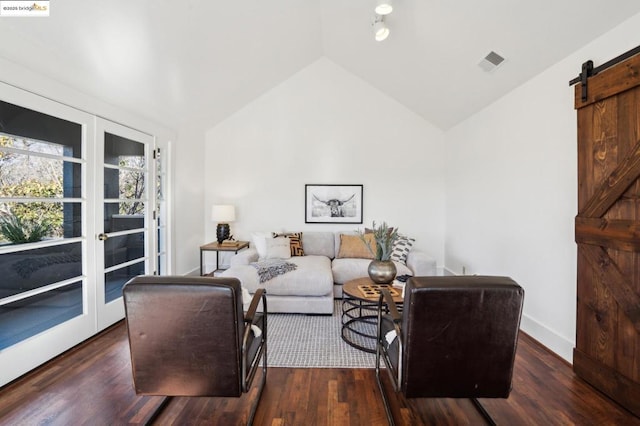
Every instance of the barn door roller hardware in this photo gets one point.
(588, 70)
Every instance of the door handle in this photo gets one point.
(103, 237)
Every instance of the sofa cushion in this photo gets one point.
(352, 246)
(319, 244)
(311, 278)
(349, 269)
(277, 248)
(296, 242)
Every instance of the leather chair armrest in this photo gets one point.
(386, 298)
(383, 351)
(253, 307)
(252, 351)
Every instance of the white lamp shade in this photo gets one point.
(384, 7)
(223, 213)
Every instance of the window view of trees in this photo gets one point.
(32, 178)
(37, 176)
(132, 185)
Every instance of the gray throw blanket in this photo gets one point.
(268, 269)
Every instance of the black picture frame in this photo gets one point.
(330, 203)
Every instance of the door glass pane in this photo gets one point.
(27, 174)
(39, 220)
(123, 152)
(26, 270)
(161, 215)
(115, 280)
(123, 222)
(124, 183)
(27, 317)
(33, 174)
(124, 211)
(123, 249)
(38, 127)
(41, 164)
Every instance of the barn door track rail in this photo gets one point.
(589, 71)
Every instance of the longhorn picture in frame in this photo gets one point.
(333, 204)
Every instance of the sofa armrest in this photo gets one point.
(244, 257)
(421, 264)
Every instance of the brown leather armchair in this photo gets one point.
(455, 337)
(188, 336)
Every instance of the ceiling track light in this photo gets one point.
(380, 29)
(384, 7)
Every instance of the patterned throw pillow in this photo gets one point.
(401, 248)
(296, 242)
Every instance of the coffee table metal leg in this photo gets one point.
(355, 321)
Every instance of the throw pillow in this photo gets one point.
(278, 248)
(352, 246)
(296, 242)
(260, 242)
(401, 248)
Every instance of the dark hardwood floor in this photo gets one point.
(91, 385)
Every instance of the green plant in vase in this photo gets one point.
(381, 270)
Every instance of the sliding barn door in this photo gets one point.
(607, 229)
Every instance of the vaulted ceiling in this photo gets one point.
(176, 60)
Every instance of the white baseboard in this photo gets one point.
(556, 343)
(445, 271)
(195, 271)
(553, 341)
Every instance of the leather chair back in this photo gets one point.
(185, 335)
(460, 336)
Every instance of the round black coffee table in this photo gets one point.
(360, 312)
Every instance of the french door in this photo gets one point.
(78, 197)
(124, 216)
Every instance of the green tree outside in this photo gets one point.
(47, 215)
(25, 176)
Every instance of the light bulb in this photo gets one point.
(380, 29)
(382, 33)
(384, 8)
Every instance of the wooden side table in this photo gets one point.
(214, 246)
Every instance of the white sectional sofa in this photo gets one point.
(319, 273)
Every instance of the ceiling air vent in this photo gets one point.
(491, 61)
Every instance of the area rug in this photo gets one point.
(312, 341)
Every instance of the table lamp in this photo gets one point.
(223, 214)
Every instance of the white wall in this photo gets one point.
(324, 125)
(511, 191)
(189, 184)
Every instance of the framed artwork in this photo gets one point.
(333, 203)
